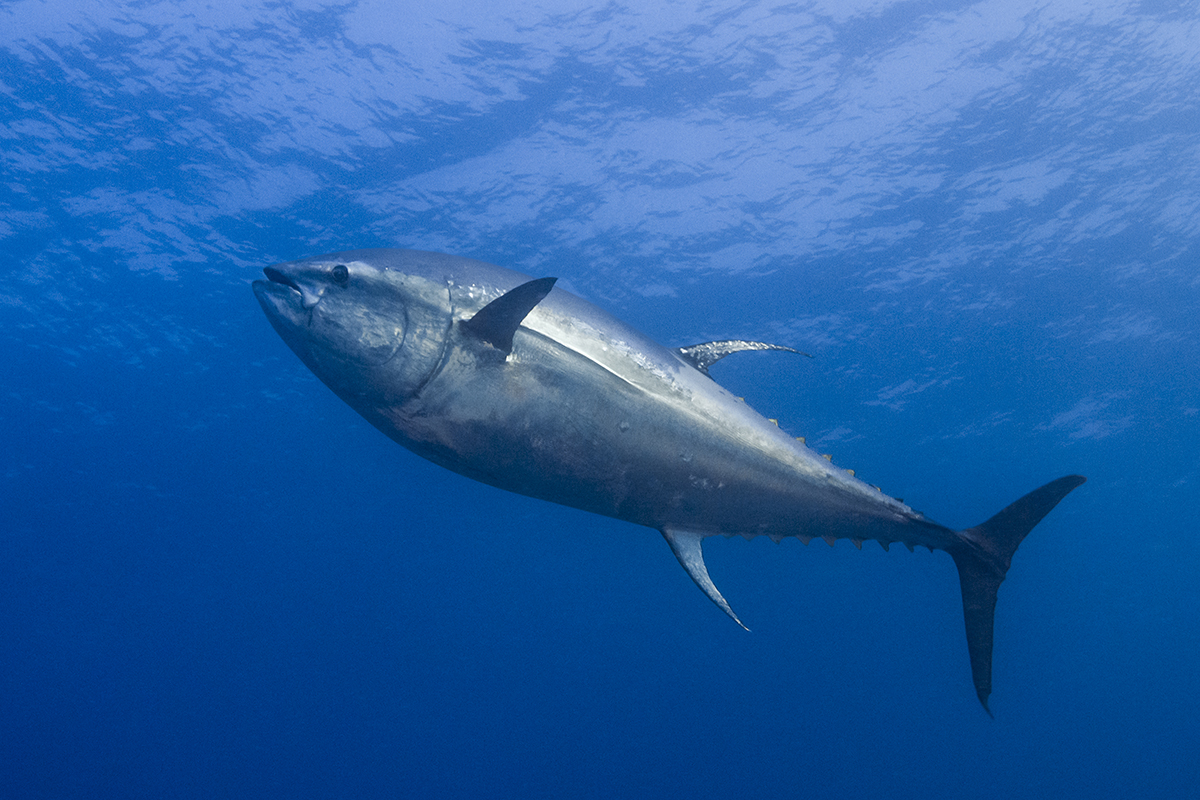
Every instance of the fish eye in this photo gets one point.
(340, 275)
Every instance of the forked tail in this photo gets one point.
(983, 560)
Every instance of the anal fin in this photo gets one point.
(686, 546)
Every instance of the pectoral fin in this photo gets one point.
(686, 546)
(496, 322)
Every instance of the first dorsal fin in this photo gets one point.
(686, 546)
(496, 322)
(702, 356)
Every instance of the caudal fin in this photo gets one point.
(983, 561)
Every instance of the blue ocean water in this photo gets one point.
(981, 218)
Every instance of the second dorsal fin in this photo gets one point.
(703, 356)
(496, 322)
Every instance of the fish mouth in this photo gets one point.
(281, 297)
(275, 276)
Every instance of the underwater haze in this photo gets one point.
(982, 219)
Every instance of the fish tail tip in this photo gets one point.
(983, 560)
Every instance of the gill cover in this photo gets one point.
(423, 313)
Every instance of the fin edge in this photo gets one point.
(687, 548)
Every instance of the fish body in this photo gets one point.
(532, 389)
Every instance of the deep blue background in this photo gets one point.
(983, 219)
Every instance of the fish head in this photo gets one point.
(372, 334)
